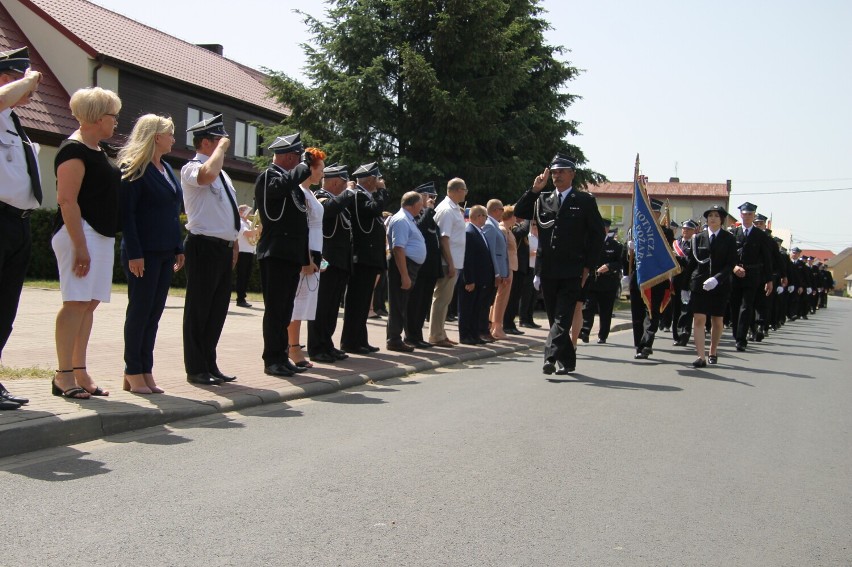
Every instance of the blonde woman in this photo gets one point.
(87, 185)
(501, 300)
(151, 247)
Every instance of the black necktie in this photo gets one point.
(712, 237)
(32, 164)
(231, 200)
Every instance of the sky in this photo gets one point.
(757, 92)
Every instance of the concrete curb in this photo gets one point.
(58, 430)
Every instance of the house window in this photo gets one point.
(245, 140)
(615, 213)
(194, 116)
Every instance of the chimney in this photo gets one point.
(674, 179)
(729, 186)
(216, 48)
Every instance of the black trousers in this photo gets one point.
(280, 280)
(529, 295)
(208, 291)
(380, 292)
(398, 298)
(742, 310)
(359, 293)
(321, 329)
(645, 321)
(146, 299)
(245, 263)
(599, 302)
(682, 328)
(513, 306)
(419, 305)
(471, 304)
(560, 300)
(15, 250)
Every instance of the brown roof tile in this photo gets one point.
(48, 109)
(664, 189)
(101, 31)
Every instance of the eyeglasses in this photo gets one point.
(114, 116)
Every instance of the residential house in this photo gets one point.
(686, 200)
(840, 267)
(79, 44)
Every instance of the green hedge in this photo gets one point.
(43, 261)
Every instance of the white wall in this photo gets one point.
(71, 65)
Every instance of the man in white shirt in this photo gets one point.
(213, 224)
(450, 219)
(20, 193)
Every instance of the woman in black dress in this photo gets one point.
(714, 255)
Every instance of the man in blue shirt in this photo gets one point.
(408, 252)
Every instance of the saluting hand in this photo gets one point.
(541, 181)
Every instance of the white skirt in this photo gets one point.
(97, 284)
(305, 304)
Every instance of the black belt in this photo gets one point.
(222, 241)
(753, 267)
(15, 211)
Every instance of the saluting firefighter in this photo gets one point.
(283, 250)
(335, 198)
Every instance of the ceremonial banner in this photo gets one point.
(655, 261)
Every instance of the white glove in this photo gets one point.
(780, 289)
(537, 283)
(684, 296)
(791, 288)
(630, 246)
(710, 284)
(819, 289)
(808, 291)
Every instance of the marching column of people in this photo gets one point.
(334, 239)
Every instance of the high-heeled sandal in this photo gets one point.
(75, 392)
(135, 388)
(98, 390)
(304, 363)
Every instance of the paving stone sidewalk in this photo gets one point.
(49, 421)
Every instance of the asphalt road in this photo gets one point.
(625, 463)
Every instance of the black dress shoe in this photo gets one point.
(399, 346)
(292, 367)
(338, 354)
(420, 343)
(601, 341)
(758, 337)
(562, 370)
(277, 369)
(642, 355)
(741, 346)
(7, 395)
(243, 304)
(324, 357)
(712, 359)
(223, 377)
(699, 363)
(549, 367)
(372, 348)
(359, 350)
(8, 404)
(203, 379)
(584, 336)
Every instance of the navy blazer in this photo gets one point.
(150, 213)
(478, 267)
